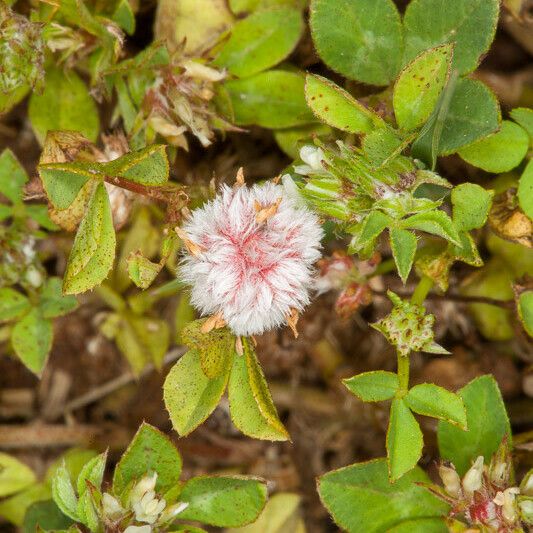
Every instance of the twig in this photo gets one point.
(43, 436)
(116, 383)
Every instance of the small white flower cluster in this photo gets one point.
(251, 256)
(145, 506)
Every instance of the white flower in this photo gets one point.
(149, 508)
(312, 156)
(472, 480)
(251, 257)
(143, 501)
(111, 507)
(506, 500)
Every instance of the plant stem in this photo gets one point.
(403, 372)
(421, 291)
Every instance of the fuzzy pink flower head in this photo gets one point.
(253, 272)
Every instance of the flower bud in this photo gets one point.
(472, 480)
(312, 156)
(526, 487)
(194, 69)
(451, 480)
(172, 511)
(500, 465)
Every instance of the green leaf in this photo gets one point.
(242, 6)
(360, 39)
(525, 311)
(336, 107)
(272, 99)
(73, 460)
(251, 407)
(46, 515)
(361, 498)
(470, 24)
(260, 41)
(381, 146)
(65, 104)
(86, 511)
(281, 514)
(14, 508)
(12, 177)
(223, 501)
(499, 152)
(141, 270)
(471, 206)
(91, 472)
(124, 16)
(403, 244)
(149, 451)
(375, 386)
(471, 113)
(13, 304)
(39, 213)
(63, 182)
(373, 225)
(190, 396)
(93, 252)
(148, 166)
(10, 99)
(63, 493)
(193, 24)
(52, 302)
(32, 340)
(524, 117)
(404, 440)
(421, 525)
(525, 190)
(419, 86)
(14, 475)
(290, 139)
(487, 423)
(435, 222)
(431, 400)
(216, 348)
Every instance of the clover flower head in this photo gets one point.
(251, 256)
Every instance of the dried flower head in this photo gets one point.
(251, 256)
